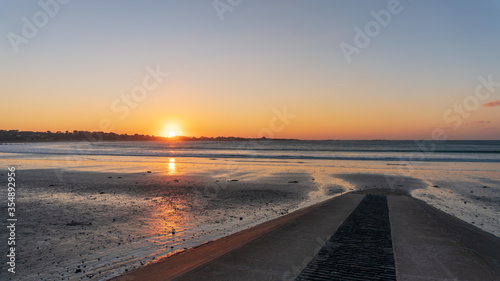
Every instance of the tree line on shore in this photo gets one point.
(30, 136)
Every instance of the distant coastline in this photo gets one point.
(48, 136)
(17, 136)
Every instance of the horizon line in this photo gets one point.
(235, 138)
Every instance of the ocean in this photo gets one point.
(375, 150)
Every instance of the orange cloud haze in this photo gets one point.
(492, 103)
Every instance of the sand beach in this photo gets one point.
(108, 216)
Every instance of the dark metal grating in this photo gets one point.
(361, 249)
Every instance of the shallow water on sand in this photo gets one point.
(99, 216)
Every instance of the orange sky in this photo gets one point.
(229, 77)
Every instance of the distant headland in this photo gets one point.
(30, 136)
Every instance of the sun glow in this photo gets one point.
(171, 131)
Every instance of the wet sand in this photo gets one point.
(428, 245)
(187, 261)
(99, 225)
(106, 216)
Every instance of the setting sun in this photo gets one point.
(171, 131)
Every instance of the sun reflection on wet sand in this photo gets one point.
(169, 218)
(171, 167)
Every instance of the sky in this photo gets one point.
(327, 69)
